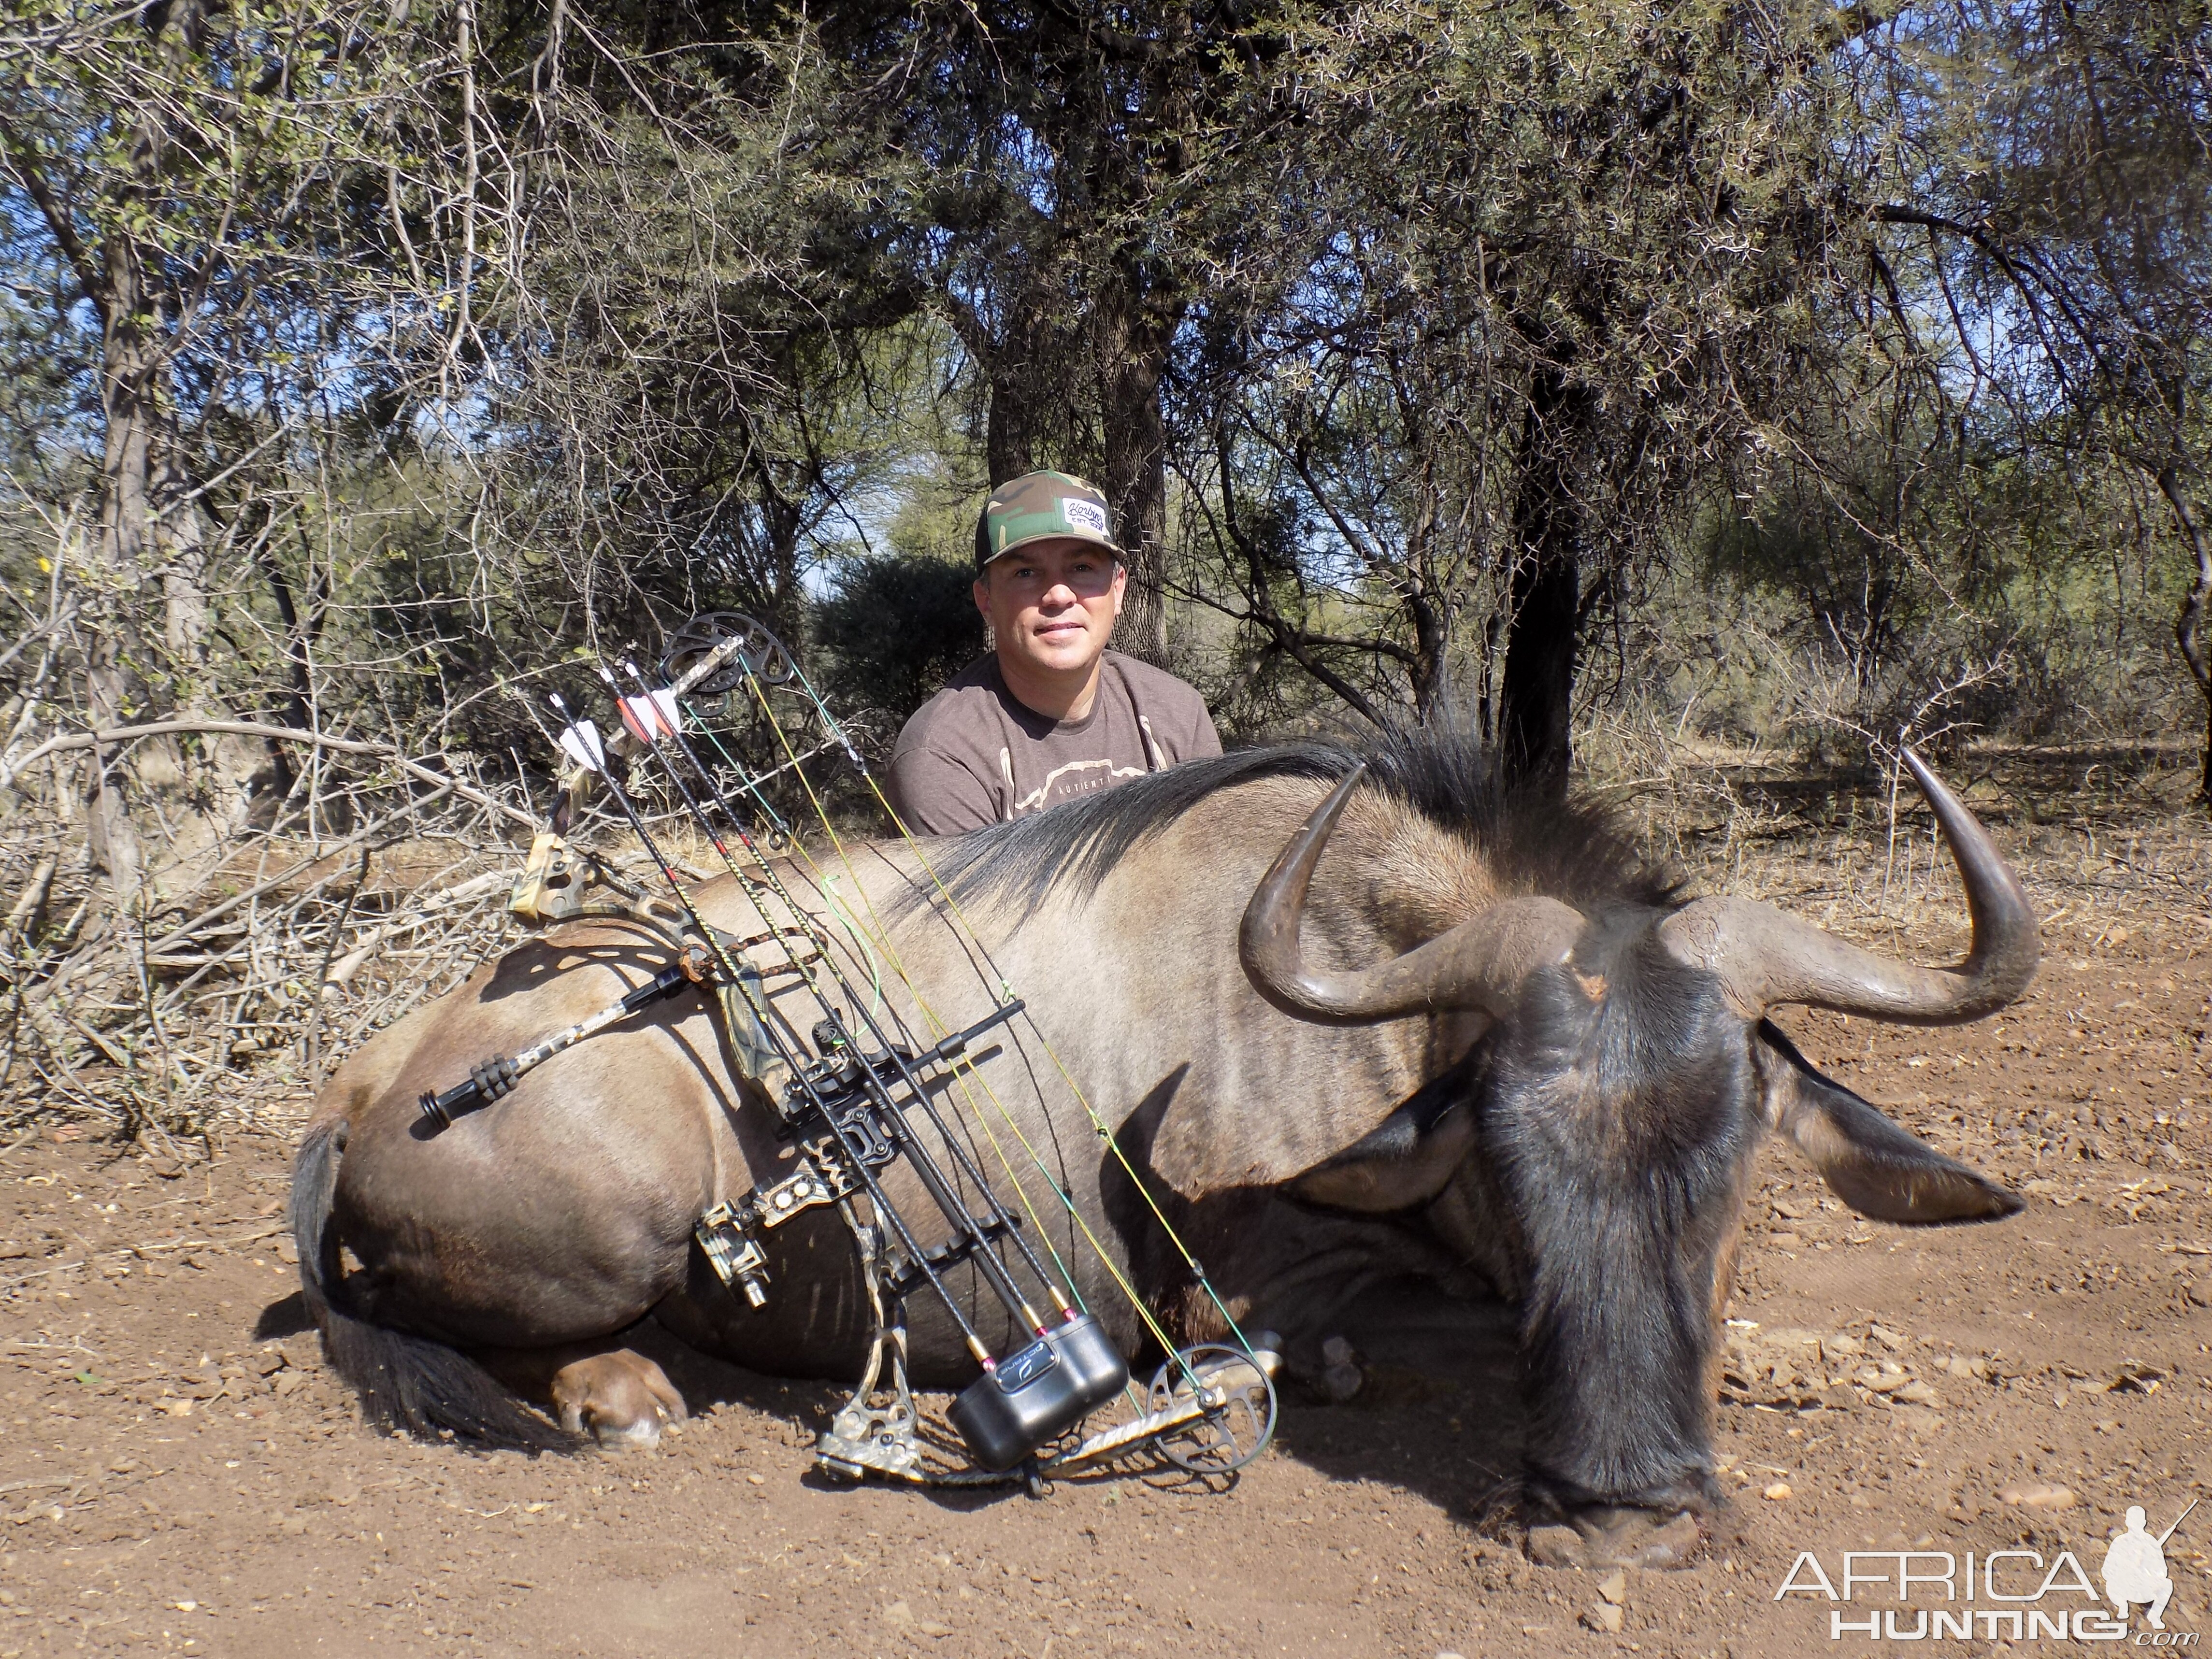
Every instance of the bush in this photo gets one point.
(893, 628)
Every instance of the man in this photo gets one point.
(2134, 1568)
(1050, 713)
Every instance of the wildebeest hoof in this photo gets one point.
(1341, 1376)
(1617, 1537)
(622, 1399)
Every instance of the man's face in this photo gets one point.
(1052, 605)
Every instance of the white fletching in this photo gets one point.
(651, 717)
(581, 744)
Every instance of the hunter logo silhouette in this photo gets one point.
(2135, 1566)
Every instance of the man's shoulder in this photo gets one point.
(973, 691)
(1154, 687)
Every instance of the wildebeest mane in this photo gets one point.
(1576, 850)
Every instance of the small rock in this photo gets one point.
(1893, 1340)
(2201, 1292)
(2039, 1495)
(898, 1614)
(1778, 1492)
(1340, 1383)
(1341, 1376)
(1917, 1393)
(930, 1627)
(1842, 1347)
(1613, 1588)
(1604, 1618)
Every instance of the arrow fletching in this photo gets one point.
(581, 744)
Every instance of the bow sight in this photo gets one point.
(857, 1095)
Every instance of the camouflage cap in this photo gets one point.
(1040, 506)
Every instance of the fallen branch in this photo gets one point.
(257, 729)
(341, 972)
(338, 850)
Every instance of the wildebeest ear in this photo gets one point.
(1402, 1163)
(1873, 1166)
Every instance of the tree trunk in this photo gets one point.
(1535, 699)
(1428, 610)
(150, 527)
(180, 546)
(1007, 448)
(2189, 627)
(128, 366)
(1031, 372)
(1132, 356)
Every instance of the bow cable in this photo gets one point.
(907, 836)
(860, 1170)
(989, 1261)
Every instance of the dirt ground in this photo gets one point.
(179, 1472)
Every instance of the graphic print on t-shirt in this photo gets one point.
(1042, 794)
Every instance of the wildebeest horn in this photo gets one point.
(1475, 965)
(1765, 958)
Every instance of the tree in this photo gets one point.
(2050, 193)
(185, 178)
(1077, 179)
(1568, 259)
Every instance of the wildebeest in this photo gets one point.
(1353, 1013)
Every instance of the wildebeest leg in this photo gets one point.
(404, 1381)
(616, 1395)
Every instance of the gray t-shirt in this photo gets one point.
(974, 754)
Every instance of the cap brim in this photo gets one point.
(1043, 537)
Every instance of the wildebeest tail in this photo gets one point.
(405, 1382)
